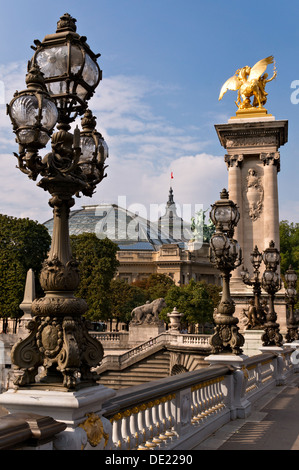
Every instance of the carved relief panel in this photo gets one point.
(253, 194)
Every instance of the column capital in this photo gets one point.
(272, 158)
(233, 160)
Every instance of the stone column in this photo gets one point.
(271, 212)
(252, 146)
(234, 165)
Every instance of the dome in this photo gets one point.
(130, 231)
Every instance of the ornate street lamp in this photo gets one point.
(62, 66)
(69, 66)
(226, 255)
(33, 115)
(291, 299)
(259, 316)
(225, 212)
(271, 282)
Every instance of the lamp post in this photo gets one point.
(226, 255)
(62, 76)
(271, 282)
(291, 299)
(256, 259)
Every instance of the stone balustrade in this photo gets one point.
(200, 341)
(179, 412)
(114, 339)
(173, 413)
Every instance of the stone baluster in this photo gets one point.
(216, 396)
(117, 431)
(169, 417)
(220, 394)
(200, 402)
(162, 419)
(142, 426)
(151, 443)
(204, 399)
(126, 431)
(135, 432)
(195, 404)
(156, 422)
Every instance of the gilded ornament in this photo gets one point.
(250, 82)
(94, 429)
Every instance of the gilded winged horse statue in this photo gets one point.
(250, 81)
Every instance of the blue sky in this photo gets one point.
(163, 62)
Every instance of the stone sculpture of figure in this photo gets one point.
(201, 231)
(148, 313)
(250, 81)
(252, 318)
(252, 315)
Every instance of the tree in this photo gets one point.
(155, 286)
(289, 248)
(98, 265)
(124, 298)
(289, 245)
(23, 245)
(193, 300)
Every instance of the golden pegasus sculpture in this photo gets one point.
(250, 81)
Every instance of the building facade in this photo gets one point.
(145, 247)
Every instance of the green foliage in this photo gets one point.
(98, 265)
(124, 298)
(155, 286)
(196, 300)
(289, 248)
(23, 245)
(289, 245)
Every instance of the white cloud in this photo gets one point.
(144, 149)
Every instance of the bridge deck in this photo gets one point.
(272, 425)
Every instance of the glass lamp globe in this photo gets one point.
(291, 277)
(256, 258)
(225, 212)
(69, 66)
(270, 279)
(219, 244)
(32, 112)
(291, 292)
(271, 256)
(94, 149)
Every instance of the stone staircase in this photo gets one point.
(152, 367)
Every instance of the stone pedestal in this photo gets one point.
(144, 332)
(253, 342)
(253, 160)
(79, 410)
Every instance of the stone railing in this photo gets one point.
(112, 339)
(179, 412)
(174, 413)
(186, 340)
(28, 431)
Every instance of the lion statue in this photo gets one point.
(148, 313)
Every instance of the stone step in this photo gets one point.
(151, 368)
(115, 380)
